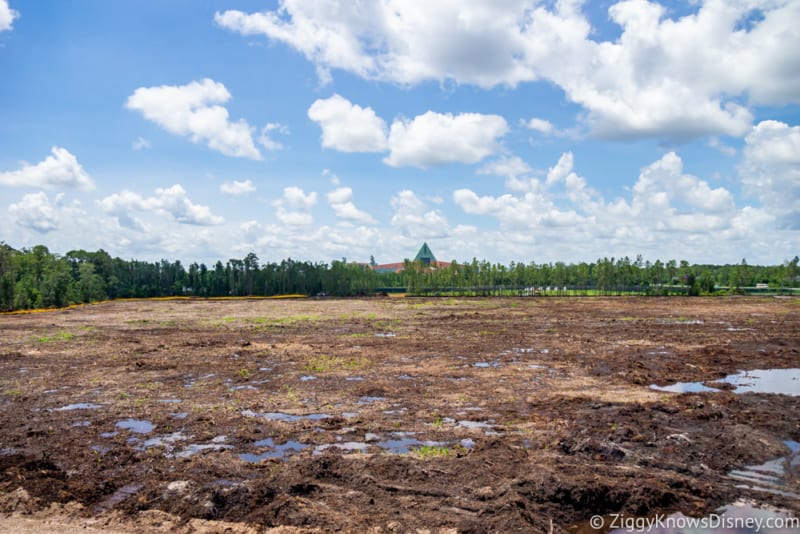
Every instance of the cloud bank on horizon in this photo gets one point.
(318, 129)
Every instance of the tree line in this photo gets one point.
(36, 278)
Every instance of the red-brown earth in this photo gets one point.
(387, 415)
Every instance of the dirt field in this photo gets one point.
(389, 415)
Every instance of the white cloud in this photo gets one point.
(7, 16)
(293, 218)
(61, 169)
(35, 212)
(427, 140)
(515, 171)
(237, 188)
(140, 144)
(666, 177)
(299, 202)
(193, 111)
(266, 141)
(347, 127)
(561, 169)
(172, 202)
(340, 200)
(771, 170)
(436, 138)
(670, 214)
(539, 125)
(404, 42)
(295, 197)
(415, 220)
(664, 75)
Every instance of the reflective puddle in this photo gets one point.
(772, 476)
(79, 406)
(285, 417)
(283, 450)
(137, 426)
(776, 381)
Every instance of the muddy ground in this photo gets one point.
(388, 415)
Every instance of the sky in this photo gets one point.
(506, 130)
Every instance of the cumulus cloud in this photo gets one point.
(172, 202)
(194, 111)
(539, 125)
(7, 16)
(514, 170)
(237, 188)
(298, 203)
(427, 140)
(771, 170)
(347, 127)
(295, 197)
(667, 210)
(414, 220)
(666, 177)
(436, 138)
(341, 200)
(36, 212)
(60, 169)
(665, 75)
(404, 42)
(266, 141)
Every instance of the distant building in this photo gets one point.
(424, 256)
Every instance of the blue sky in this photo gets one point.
(321, 129)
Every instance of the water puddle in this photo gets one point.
(397, 443)
(123, 493)
(283, 450)
(475, 425)
(385, 334)
(684, 387)
(248, 386)
(405, 445)
(307, 378)
(772, 476)
(137, 426)
(485, 365)
(179, 415)
(354, 378)
(776, 381)
(347, 446)
(170, 401)
(368, 400)
(79, 406)
(217, 444)
(167, 441)
(285, 417)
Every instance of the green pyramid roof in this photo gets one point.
(425, 255)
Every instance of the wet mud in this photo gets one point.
(394, 415)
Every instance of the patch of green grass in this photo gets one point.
(297, 319)
(437, 420)
(244, 374)
(16, 391)
(357, 335)
(325, 364)
(432, 451)
(60, 336)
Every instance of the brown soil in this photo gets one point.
(536, 413)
